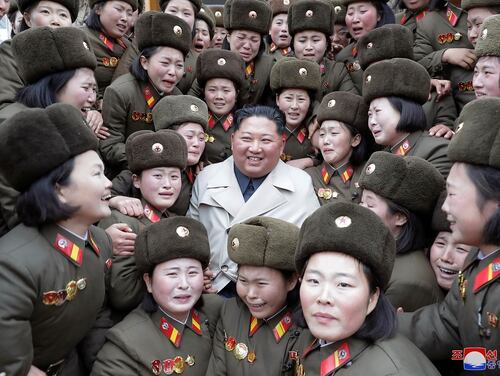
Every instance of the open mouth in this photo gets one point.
(106, 197)
(121, 27)
(450, 272)
(198, 46)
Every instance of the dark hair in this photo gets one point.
(385, 12)
(136, 68)
(412, 115)
(93, 20)
(43, 92)
(413, 235)
(380, 324)
(486, 179)
(361, 152)
(39, 204)
(267, 112)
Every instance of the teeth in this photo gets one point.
(107, 197)
(448, 271)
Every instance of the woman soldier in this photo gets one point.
(279, 39)
(411, 12)
(220, 32)
(220, 75)
(163, 40)
(255, 327)
(54, 261)
(362, 16)
(36, 13)
(403, 192)
(345, 256)
(106, 26)
(468, 316)
(343, 141)
(172, 330)
(395, 117)
(486, 79)
(311, 24)
(204, 29)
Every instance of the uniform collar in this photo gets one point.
(173, 329)
(404, 146)
(279, 323)
(151, 213)
(328, 171)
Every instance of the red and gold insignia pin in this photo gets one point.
(488, 274)
(492, 319)
(230, 343)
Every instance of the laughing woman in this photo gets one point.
(345, 256)
(54, 261)
(163, 40)
(295, 83)
(254, 329)
(173, 328)
(343, 142)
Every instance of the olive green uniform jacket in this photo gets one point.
(349, 56)
(413, 282)
(442, 112)
(10, 80)
(123, 186)
(218, 139)
(297, 144)
(141, 345)
(189, 72)
(356, 357)
(108, 57)
(53, 287)
(467, 317)
(332, 184)
(125, 111)
(335, 77)
(277, 53)
(234, 332)
(126, 287)
(436, 32)
(432, 149)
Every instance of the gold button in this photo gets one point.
(457, 36)
(331, 103)
(157, 148)
(343, 221)
(303, 71)
(177, 30)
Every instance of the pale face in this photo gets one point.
(4, 7)
(467, 219)
(378, 205)
(201, 40)
(475, 19)
(219, 36)
(183, 9)
(382, 121)
(48, 13)
(294, 103)
(256, 146)
(361, 18)
(220, 95)
(245, 43)
(279, 31)
(335, 296)
(447, 259)
(486, 79)
(89, 189)
(115, 16)
(310, 45)
(80, 91)
(194, 135)
(336, 142)
(176, 285)
(165, 68)
(263, 289)
(159, 186)
(416, 4)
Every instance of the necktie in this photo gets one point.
(249, 191)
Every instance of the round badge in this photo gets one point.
(221, 61)
(331, 103)
(190, 360)
(182, 231)
(241, 351)
(286, 2)
(252, 14)
(62, 243)
(194, 108)
(356, 66)
(368, 79)
(309, 13)
(81, 283)
(337, 9)
(459, 127)
(85, 45)
(177, 30)
(235, 243)
(369, 45)
(157, 148)
(343, 221)
(370, 168)
(484, 34)
(303, 71)
(457, 36)
(218, 14)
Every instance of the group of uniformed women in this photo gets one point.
(104, 128)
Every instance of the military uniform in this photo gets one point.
(442, 112)
(218, 139)
(432, 149)
(108, 52)
(349, 56)
(256, 91)
(245, 345)
(409, 18)
(439, 30)
(278, 53)
(189, 72)
(153, 343)
(297, 144)
(126, 61)
(335, 77)
(358, 357)
(10, 79)
(332, 184)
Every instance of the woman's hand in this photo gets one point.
(441, 130)
(127, 205)
(122, 238)
(462, 57)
